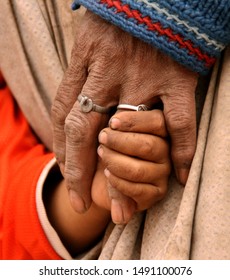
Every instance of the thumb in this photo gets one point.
(180, 117)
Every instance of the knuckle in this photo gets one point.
(138, 173)
(162, 191)
(71, 127)
(76, 127)
(189, 153)
(149, 195)
(138, 191)
(183, 157)
(179, 122)
(146, 148)
(73, 174)
(180, 115)
(159, 191)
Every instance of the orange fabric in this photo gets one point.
(22, 159)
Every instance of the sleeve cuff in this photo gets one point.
(171, 30)
(49, 231)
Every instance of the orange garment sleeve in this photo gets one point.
(22, 159)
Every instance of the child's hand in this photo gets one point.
(136, 156)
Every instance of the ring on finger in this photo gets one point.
(87, 105)
(140, 107)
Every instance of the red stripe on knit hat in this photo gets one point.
(157, 27)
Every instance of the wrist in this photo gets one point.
(76, 231)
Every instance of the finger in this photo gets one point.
(81, 143)
(151, 122)
(132, 169)
(145, 195)
(125, 94)
(99, 190)
(180, 115)
(68, 91)
(82, 131)
(122, 207)
(143, 146)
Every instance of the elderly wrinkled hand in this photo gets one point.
(110, 67)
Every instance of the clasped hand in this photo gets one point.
(134, 165)
(111, 67)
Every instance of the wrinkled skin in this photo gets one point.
(112, 67)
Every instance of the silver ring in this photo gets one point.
(140, 107)
(87, 105)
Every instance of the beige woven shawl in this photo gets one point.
(36, 37)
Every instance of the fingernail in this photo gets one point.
(103, 137)
(114, 123)
(107, 173)
(183, 175)
(117, 212)
(77, 202)
(100, 151)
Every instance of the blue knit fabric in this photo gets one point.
(190, 31)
